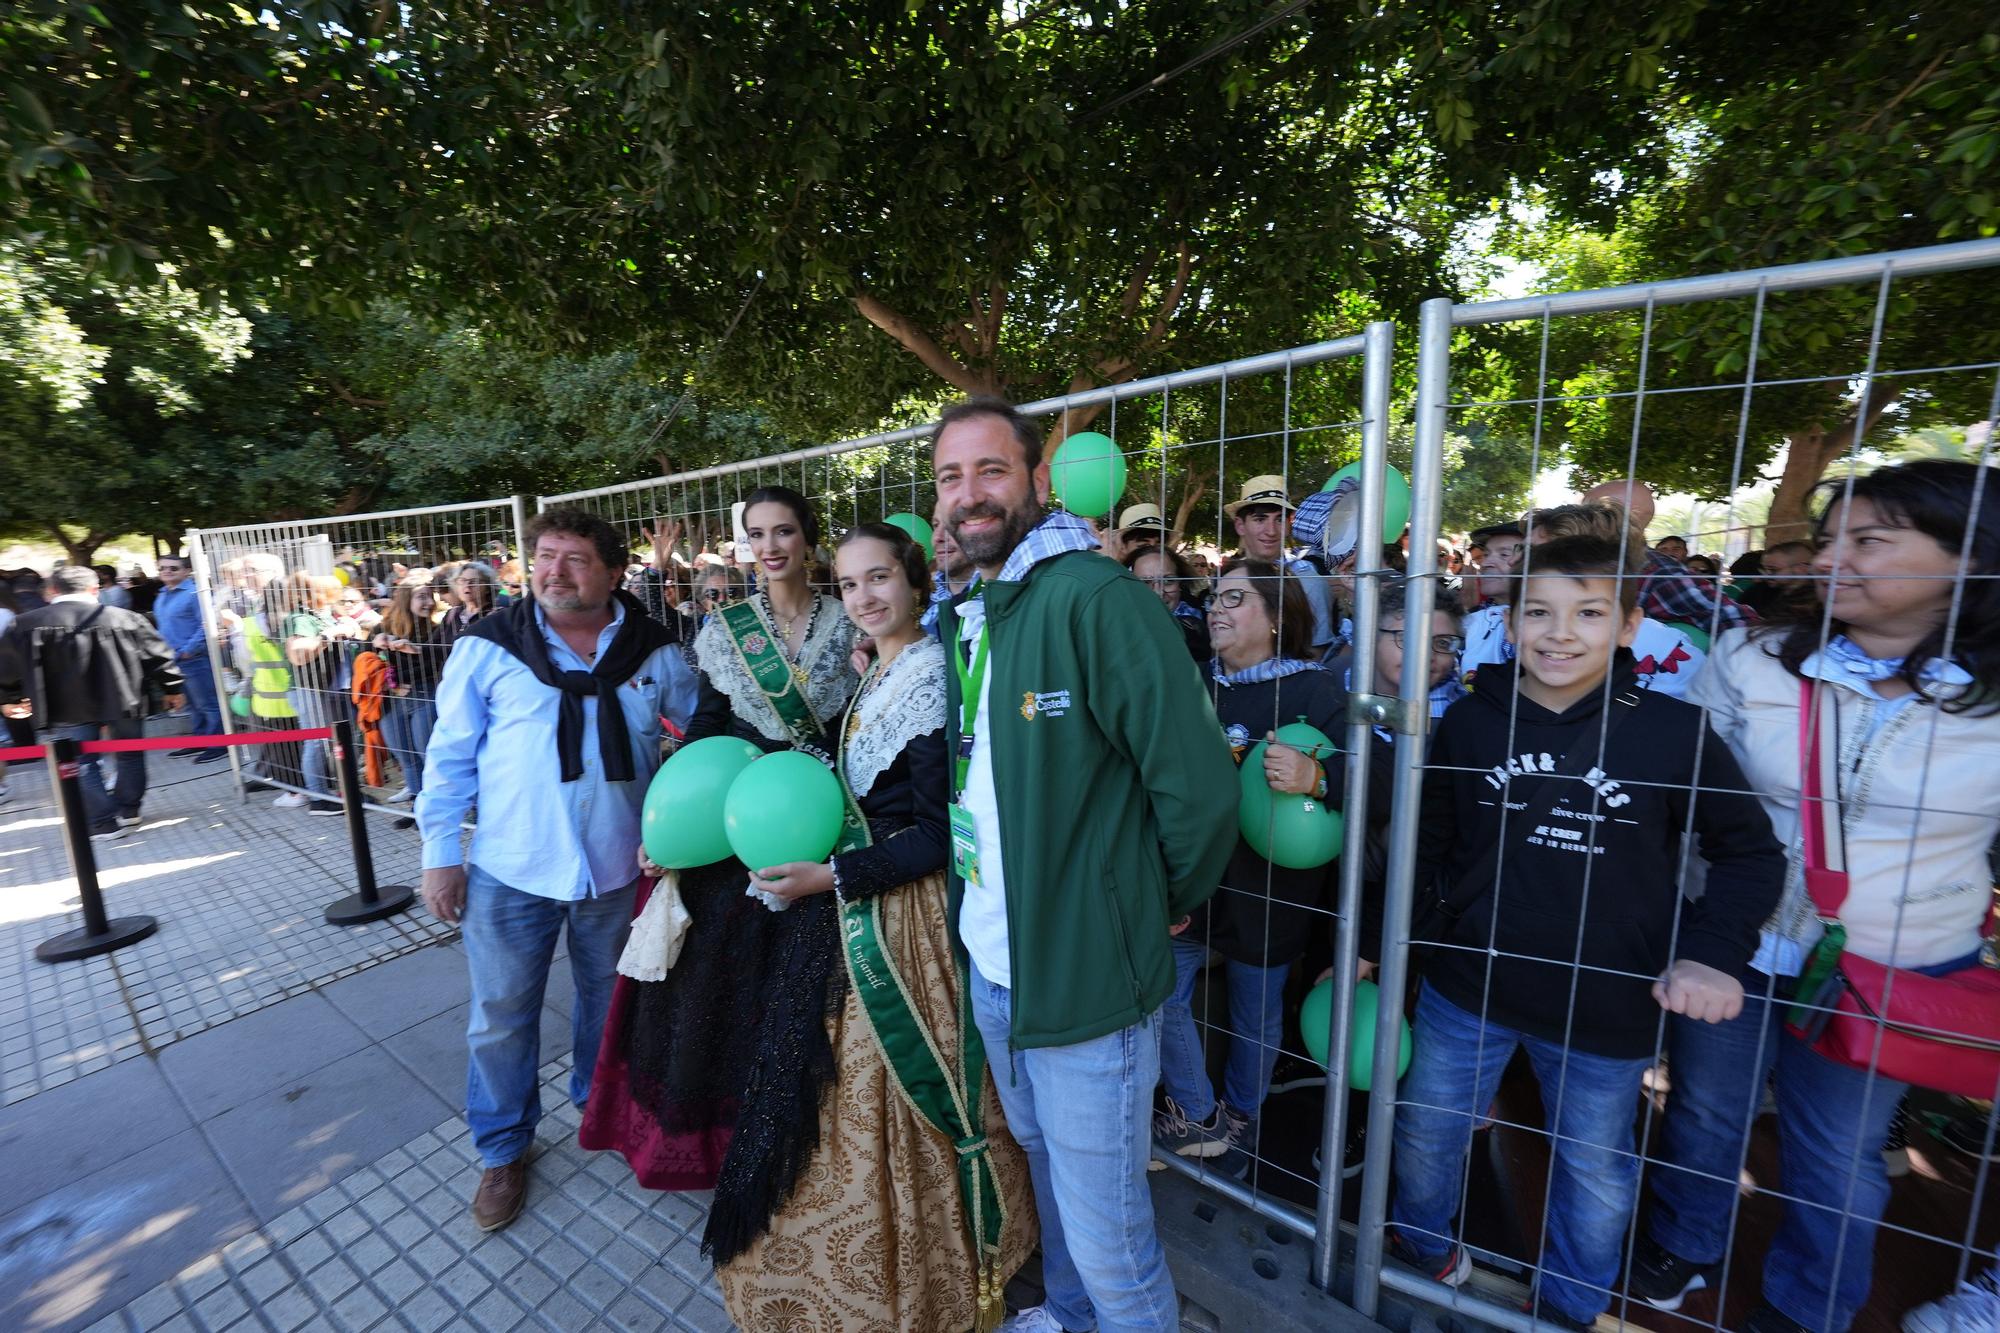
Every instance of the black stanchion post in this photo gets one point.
(99, 934)
(373, 902)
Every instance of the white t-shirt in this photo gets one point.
(1667, 659)
(982, 913)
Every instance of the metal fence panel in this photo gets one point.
(1186, 437)
(1888, 349)
(344, 582)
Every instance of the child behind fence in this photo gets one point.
(1554, 809)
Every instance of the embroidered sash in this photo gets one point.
(951, 1100)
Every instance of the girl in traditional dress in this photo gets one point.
(908, 1205)
(671, 1073)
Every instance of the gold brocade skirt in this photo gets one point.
(875, 1237)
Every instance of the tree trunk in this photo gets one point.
(78, 550)
(1809, 452)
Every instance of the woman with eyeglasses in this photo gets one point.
(1264, 915)
(1168, 574)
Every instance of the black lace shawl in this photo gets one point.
(791, 1065)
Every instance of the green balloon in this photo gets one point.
(1087, 474)
(681, 824)
(785, 807)
(1296, 832)
(1697, 635)
(239, 704)
(1314, 1023)
(918, 527)
(1395, 498)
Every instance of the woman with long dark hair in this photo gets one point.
(1901, 674)
(670, 1075)
(409, 641)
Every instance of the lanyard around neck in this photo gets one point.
(970, 682)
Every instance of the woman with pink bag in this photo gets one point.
(1869, 731)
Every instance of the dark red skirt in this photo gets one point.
(614, 1120)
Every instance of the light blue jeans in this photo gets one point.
(1591, 1101)
(1256, 1027)
(406, 726)
(1083, 1114)
(315, 709)
(510, 938)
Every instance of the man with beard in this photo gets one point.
(1093, 807)
(558, 838)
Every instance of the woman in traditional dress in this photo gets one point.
(676, 1052)
(906, 1205)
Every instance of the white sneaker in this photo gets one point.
(291, 800)
(402, 794)
(1973, 1308)
(1034, 1319)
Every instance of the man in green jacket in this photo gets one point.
(1094, 804)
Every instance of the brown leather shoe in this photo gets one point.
(502, 1192)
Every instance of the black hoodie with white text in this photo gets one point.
(1595, 878)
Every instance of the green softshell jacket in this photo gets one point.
(1116, 791)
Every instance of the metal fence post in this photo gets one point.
(1426, 505)
(204, 587)
(1376, 370)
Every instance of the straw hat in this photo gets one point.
(1144, 517)
(1268, 489)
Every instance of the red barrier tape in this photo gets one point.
(21, 754)
(183, 742)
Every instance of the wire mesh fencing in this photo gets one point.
(1690, 988)
(346, 617)
(1211, 464)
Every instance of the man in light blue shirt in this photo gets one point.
(177, 612)
(549, 717)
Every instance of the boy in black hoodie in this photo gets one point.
(1554, 809)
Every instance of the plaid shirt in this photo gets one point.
(1668, 592)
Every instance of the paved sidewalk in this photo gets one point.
(238, 888)
(253, 1120)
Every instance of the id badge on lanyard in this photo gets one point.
(964, 828)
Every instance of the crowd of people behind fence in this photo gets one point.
(1594, 701)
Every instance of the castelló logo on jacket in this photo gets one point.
(1055, 703)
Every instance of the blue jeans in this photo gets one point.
(1256, 1027)
(1083, 1114)
(510, 937)
(100, 805)
(1832, 1123)
(406, 726)
(1591, 1100)
(198, 679)
(315, 709)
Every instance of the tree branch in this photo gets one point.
(922, 346)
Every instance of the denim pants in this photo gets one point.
(1832, 1122)
(1083, 1114)
(406, 726)
(1256, 1027)
(510, 938)
(315, 709)
(1590, 1100)
(100, 805)
(198, 679)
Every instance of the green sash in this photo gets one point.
(783, 684)
(950, 1099)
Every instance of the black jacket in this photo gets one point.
(81, 663)
(1596, 878)
(1265, 914)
